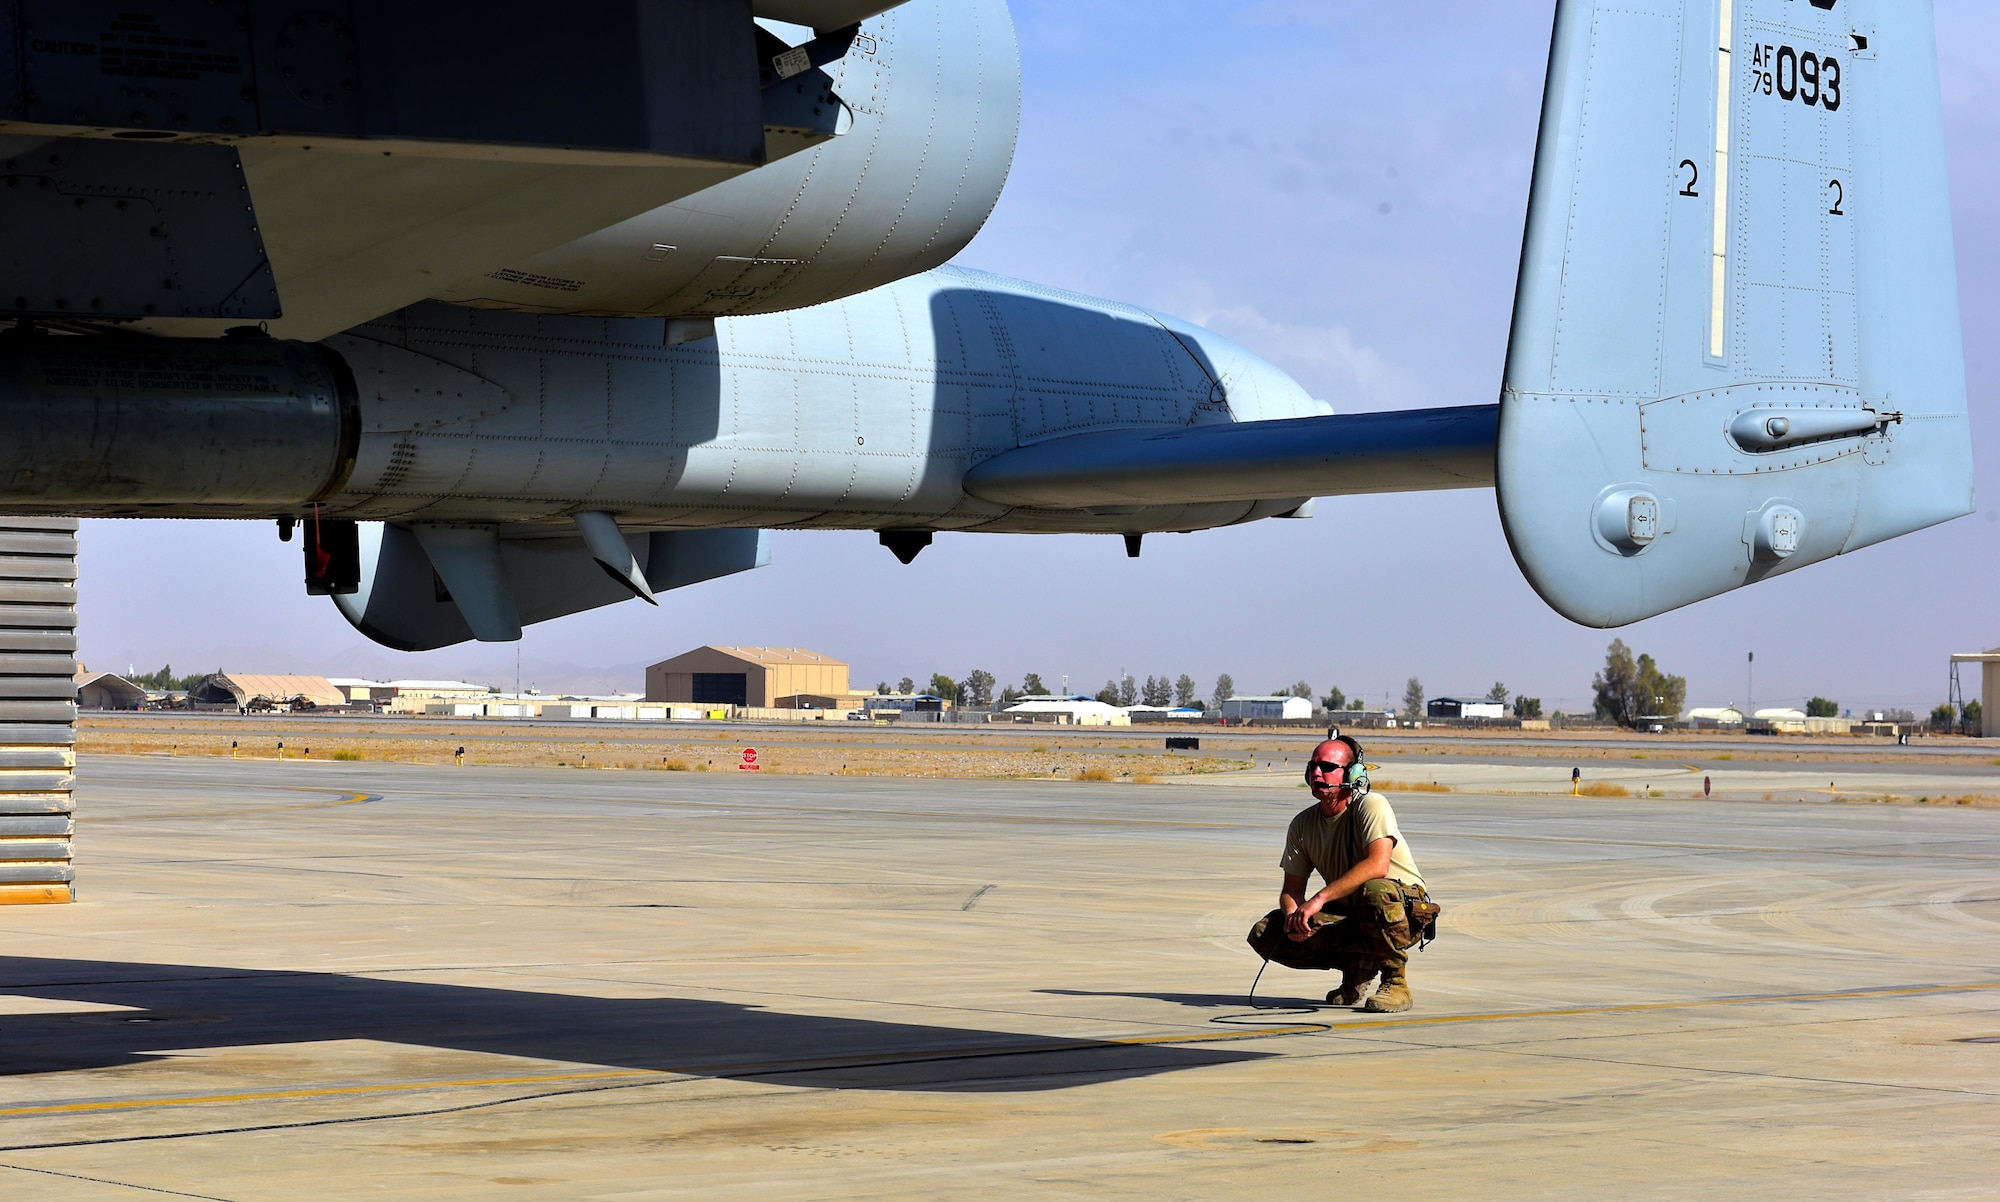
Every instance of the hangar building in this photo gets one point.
(760, 677)
(241, 688)
(105, 691)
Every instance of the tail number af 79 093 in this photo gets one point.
(1801, 75)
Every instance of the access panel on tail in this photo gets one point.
(1736, 337)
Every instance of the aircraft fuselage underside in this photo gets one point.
(864, 413)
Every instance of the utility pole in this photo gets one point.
(1749, 684)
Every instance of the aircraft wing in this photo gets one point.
(1334, 455)
(325, 164)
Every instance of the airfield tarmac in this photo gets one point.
(342, 980)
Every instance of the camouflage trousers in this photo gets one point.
(1368, 927)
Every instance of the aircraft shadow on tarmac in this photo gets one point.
(183, 1007)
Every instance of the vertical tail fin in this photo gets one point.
(1736, 341)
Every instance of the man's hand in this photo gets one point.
(1298, 923)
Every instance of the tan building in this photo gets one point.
(242, 688)
(758, 677)
(416, 696)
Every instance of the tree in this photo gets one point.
(906, 686)
(1527, 707)
(1225, 688)
(943, 686)
(1184, 691)
(1301, 689)
(164, 680)
(1944, 717)
(1820, 707)
(1667, 694)
(1972, 715)
(977, 688)
(882, 689)
(1498, 693)
(1158, 691)
(1413, 698)
(1032, 686)
(1629, 689)
(1109, 693)
(1128, 691)
(1334, 699)
(1008, 696)
(1617, 687)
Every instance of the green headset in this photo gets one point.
(1354, 775)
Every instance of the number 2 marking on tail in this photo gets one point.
(1694, 177)
(1839, 197)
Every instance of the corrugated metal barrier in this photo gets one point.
(37, 708)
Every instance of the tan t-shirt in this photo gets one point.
(1334, 845)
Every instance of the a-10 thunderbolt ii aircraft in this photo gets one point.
(521, 308)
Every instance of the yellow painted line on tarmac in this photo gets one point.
(327, 1091)
(1221, 1036)
(709, 1071)
(345, 799)
(888, 1059)
(1770, 999)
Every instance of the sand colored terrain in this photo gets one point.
(861, 751)
(1616, 764)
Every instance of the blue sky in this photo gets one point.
(1341, 187)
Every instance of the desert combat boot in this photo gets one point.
(1394, 992)
(1354, 979)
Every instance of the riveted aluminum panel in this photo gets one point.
(1758, 219)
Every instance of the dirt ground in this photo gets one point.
(862, 751)
(950, 752)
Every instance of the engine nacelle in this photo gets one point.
(933, 89)
(126, 426)
(863, 414)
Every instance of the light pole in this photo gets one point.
(1749, 683)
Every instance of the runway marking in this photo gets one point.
(1690, 1004)
(346, 799)
(713, 1072)
(893, 1059)
(325, 1091)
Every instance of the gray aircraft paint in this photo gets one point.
(934, 89)
(1735, 351)
(1724, 234)
(857, 414)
